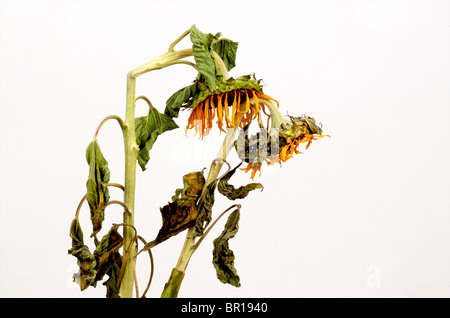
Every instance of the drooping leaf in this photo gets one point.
(226, 49)
(204, 207)
(230, 191)
(93, 266)
(97, 185)
(148, 128)
(223, 256)
(113, 273)
(182, 212)
(203, 55)
(178, 99)
(106, 251)
(86, 260)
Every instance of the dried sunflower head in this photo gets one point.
(279, 143)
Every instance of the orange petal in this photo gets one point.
(258, 168)
(248, 168)
(233, 109)
(213, 108)
(206, 111)
(263, 107)
(219, 113)
(268, 97)
(227, 118)
(255, 111)
(247, 103)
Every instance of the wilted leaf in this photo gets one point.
(148, 128)
(105, 252)
(86, 260)
(230, 191)
(182, 212)
(93, 266)
(97, 185)
(203, 55)
(204, 207)
(226, 49)
(223, 256)
(179, 99)
(113, 273)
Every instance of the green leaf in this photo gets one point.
(223, 256)
(148, 128)
(97, 185)
(179, 99)
(226, 49)
(230, 191)
(203, 55)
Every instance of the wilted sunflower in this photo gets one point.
(233, 103)
(280, 143)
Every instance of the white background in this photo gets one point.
(365, 213)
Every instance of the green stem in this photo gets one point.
(173, 285)
(181, 37)
(119, 120)
(131, 155)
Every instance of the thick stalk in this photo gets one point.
(131, 155)
(131, 152)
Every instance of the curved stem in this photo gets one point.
(150, 105)
(181, 37)
(119, 120)
(117, 185)
(221, 65)
(131, 155)
(127, 256)
(214, 223)
(159, 61)
(77, 212)
(276, 118)
(160, 66)
(119, 203)
(152, 267)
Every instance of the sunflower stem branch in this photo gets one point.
(131, 155)
(173, 285)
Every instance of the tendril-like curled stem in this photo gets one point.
(119, 120)
(238, 206)
(152, 267)
(127, 255)
(181, 37)
(112, 184)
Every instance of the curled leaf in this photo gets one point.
(93, 266)
(148, 128)
(203, 55)
(106, 252)
(86, 260)
(226, 49)
(182, 212)
(223, 256)
(230, 191)
(178, 99)
(204, 207)
(97, 185)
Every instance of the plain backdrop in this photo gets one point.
(365, 213)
